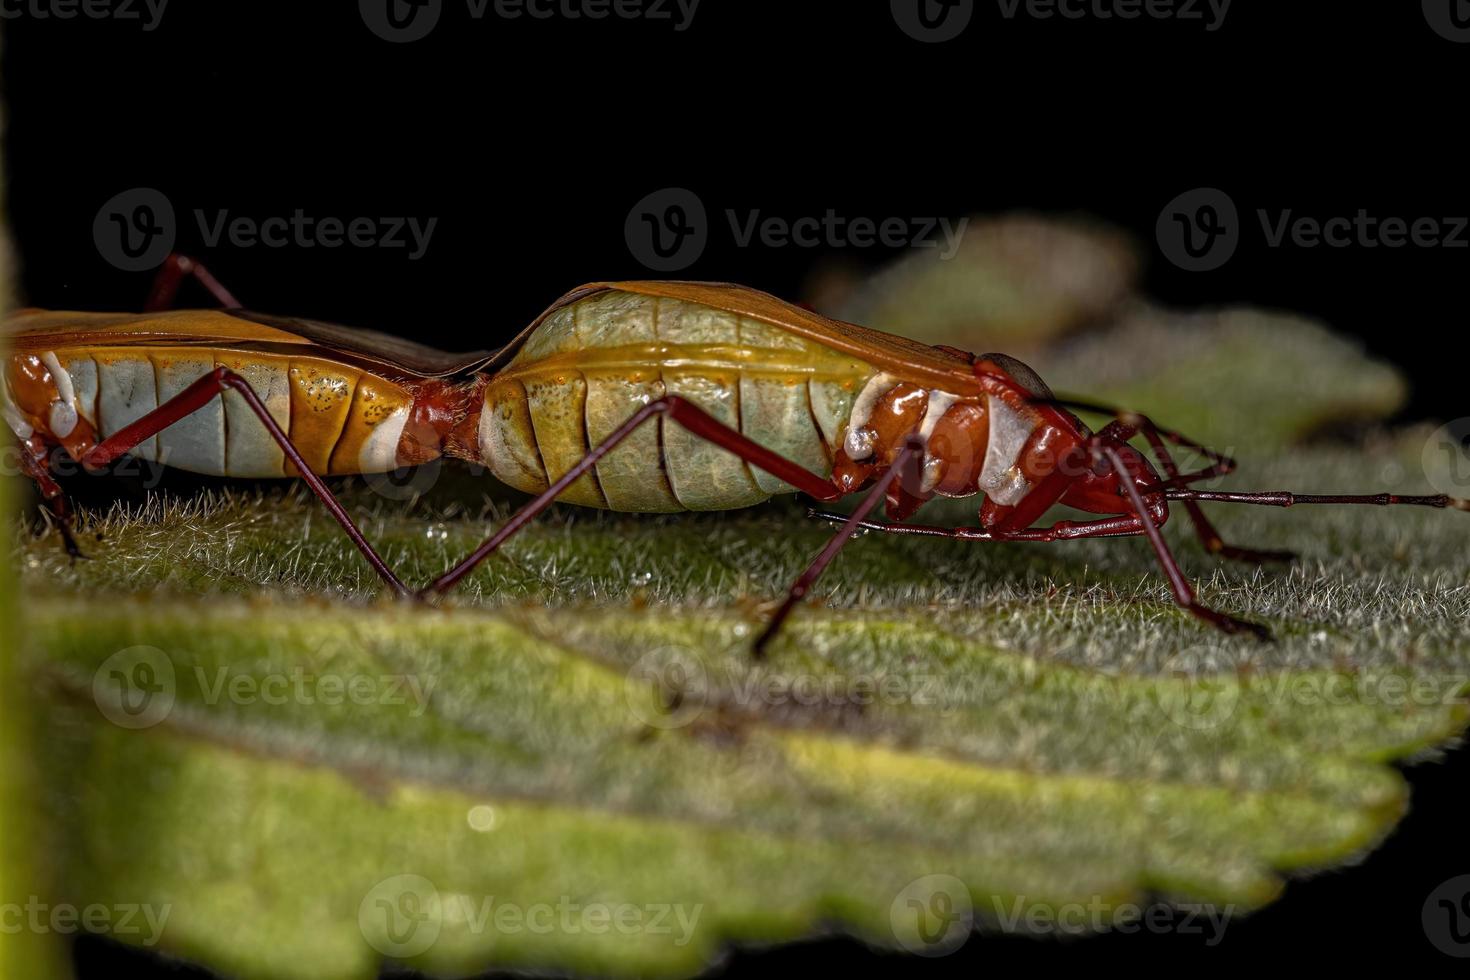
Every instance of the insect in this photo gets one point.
(631, 396)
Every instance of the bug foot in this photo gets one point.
(69, 543)
(1230, 624)
(1251, 555)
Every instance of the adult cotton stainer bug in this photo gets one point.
(633, 396)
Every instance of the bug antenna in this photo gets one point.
(1285, 498)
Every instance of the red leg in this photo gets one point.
(35, 467)
(171, 274)
(1129, 423)
(676, 409)
(912, 452)
(195, 397)
(1183, 592)
(1139, 522)
(1203, 527)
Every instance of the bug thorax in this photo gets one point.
(444, 421)
(992, 442)
(886, 414)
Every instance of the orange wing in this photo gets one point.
(32, 331)
(910, 359)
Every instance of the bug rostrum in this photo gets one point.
(632, 396)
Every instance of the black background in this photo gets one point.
(530, 140)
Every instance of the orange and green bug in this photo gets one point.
(632, 396)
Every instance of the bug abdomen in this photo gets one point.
(594, 363)
(343, 420)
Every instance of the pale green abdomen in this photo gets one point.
(342, 419)
(592, 364)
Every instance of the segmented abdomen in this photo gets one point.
(341, 419)
(592, 364)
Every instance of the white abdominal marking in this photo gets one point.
(860, 439)
(61, 415)
(379, 452)
(1001, 478)
(939, 402)
(59, 376)
(62, 418)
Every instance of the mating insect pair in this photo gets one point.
(633, 396)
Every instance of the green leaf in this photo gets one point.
(1010, 284)
(1033, 730)
(1245, 380)
(24, 952)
